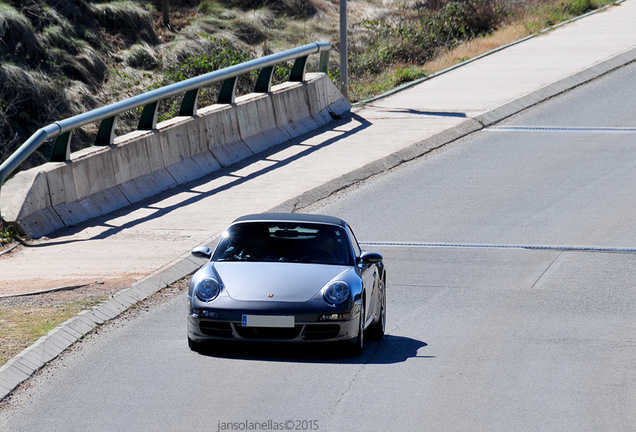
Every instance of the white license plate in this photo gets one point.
(268, 321)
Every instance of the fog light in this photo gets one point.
(336, 317)
(203, 313)
(209, 314)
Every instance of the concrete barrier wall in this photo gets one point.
(99, 180)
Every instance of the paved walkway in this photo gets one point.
(130, 245)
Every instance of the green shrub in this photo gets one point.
(578, 7)
(60, 37)
(141, 56)
(221, 55)
(416, 39)
(291, 8)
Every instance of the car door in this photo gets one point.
(369, 275)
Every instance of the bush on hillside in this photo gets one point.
(17, 37)
(128, 19)
(416, 39)
(291, 8)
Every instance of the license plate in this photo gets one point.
(268, 321)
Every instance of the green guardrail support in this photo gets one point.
(106, 133)
(298, 70)
(228, 91)
(264, 80)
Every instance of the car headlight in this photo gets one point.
(207, 289)
(337, 293)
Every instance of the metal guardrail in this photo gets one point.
(106, 115)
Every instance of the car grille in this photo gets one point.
(321, 331)
(268, 332)
(218, 329)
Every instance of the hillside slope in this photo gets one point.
(62, 57)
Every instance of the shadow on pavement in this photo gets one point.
(61, 236)
(390, 350)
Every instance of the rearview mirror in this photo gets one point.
(370, 258)
(202, 252)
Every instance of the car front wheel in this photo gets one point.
(376, 331)
(357, 344)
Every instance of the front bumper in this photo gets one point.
(308, 328)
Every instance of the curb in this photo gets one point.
(21, 367)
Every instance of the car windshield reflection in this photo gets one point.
(284, 242)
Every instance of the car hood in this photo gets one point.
(288, 282)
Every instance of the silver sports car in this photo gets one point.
(287, 277)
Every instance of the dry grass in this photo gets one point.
(24, 321)
(475, 47)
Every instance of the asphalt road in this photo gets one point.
(511, 260)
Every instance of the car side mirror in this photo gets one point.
(370, 258)
(202, 252)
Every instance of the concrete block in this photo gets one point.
(257, 122)
(37, 355)
(26, 201)
(25, 193)
(185, 155)
(145, 176)
(73, 331)
(220, 131)
(72, 213)
(62, 333)
(100, 203)
(27, 361)
(60, 179)
(41, 223)
(146, 288)
(99, 315)
(79, 326)
(131, 158)
(89, 319)
(6, 380)
(23, 367)
(14, 192)
(146, 186)
(12, 376)
(92, 171)
(45, 351)
(330, 102)
(54, 340)
(112, 306)
(124, 299)
(292, 108)
(317, 99)
(50, 347)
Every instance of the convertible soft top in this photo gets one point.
(291, 217)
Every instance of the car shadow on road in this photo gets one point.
(389, 350)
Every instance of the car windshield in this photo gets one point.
(284, 242)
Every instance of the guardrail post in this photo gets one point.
(298, 70)
(228, 91)
(189, 104)
(264, 81)
(62, 148)
(148, 120)
(106, 133)
(324, 62)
